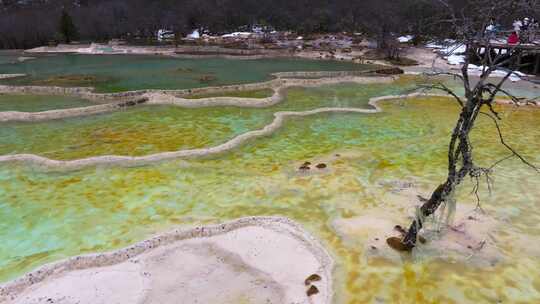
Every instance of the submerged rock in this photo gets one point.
(312, 291)
(321, 166)
(207, 78)
(396, 244)
(312, 278)
(390, 71)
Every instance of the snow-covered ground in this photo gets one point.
(478, 70)
(454, 54)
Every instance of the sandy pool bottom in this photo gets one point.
(251, 260)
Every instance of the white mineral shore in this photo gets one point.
(471, 238)
(250, 260)
(8, 76)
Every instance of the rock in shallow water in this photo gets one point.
(390, 71)
(396, 244)
(312, 278)
(312, 291)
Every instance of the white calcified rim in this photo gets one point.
(164, 97)
(16, 287)
(8, 76)
(279, 118)
(90, 94)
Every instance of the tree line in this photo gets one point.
(30, 23)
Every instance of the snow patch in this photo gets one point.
(238, 35)
(476, 70)
(455, 59)
(405, 39)
(194, 35)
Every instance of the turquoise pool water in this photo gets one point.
(8, 57)
(111, 73)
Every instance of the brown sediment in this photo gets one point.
(68, 80)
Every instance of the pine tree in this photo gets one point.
(68, 30)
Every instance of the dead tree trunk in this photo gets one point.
(470, 31)
(460, 156)
(459, 152)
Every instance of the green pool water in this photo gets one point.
(47, 216)
(37, 103)
(111, 73)
(154, 129)
(8, 57)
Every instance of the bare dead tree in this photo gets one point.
(479, 99)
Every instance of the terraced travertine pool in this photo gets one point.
(47, 215)
(113, 73)
(154, 129)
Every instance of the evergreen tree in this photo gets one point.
(68, 30)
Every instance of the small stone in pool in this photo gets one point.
(207, 78)
(312, 290)
(312, 278)
(306, 163)
(321, 166)
(304, 167)
(396, 244)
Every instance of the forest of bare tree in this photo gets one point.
(30, 23)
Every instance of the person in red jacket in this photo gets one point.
(513, 38)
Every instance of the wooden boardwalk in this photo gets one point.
(530, 52)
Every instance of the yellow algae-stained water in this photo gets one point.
(153, 129)
(49, 215)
